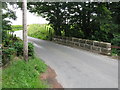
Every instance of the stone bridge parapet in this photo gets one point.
(91, 45)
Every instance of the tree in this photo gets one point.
(25, 40)
(6, 24)
(89, 20)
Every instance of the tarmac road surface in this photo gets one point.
(77, 68)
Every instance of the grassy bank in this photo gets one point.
(16, 72)
(40, 31)
(21, 74)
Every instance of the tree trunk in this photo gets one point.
(25, 40)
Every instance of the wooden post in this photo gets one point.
(25, 40)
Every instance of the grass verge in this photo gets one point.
(21, 74)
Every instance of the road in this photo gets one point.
(77, 68)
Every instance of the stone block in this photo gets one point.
(0, 52)
(96, 43)
(64, 41)
(71, 43)
(82, 41)
(82, 45)
(95, 48)
(75, 39)
(87, 46)
(70, 38)
(90, 42)
(105, 51)
(105, 45)
(76, 43)
(0, 46)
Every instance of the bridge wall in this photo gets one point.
(91, 45)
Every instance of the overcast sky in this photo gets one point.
(31, 18)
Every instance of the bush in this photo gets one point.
(116, 42)
(7, 54)
(19, 48)
(21, 75)
(9, 40)
(8, 47)
(12, 45)
(30, 49)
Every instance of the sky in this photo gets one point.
(31, 18)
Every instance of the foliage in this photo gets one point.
(90, 20)
(13, 45)
(7, 54)
(6, 24)
(19, 48)
(116, 42)
(8, 49)
(7, 39)
(30, 49)
(42, 31)
(16, 27)
(21, 75)
(18, 74)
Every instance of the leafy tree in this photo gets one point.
(90, 20)
(6, 24)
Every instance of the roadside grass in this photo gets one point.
(21, 74)
(16, 27)
(40, 31)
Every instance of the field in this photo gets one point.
(40, 31)
(16, 27)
